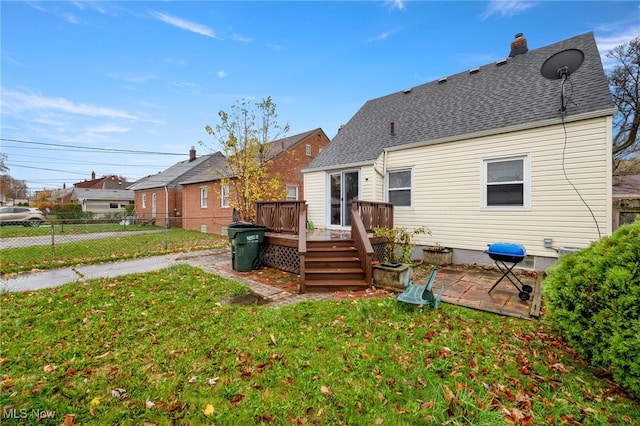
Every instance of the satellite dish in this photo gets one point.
(562, 64)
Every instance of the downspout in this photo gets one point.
(166, 218)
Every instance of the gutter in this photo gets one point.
(510, 129)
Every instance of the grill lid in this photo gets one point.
(507, 249)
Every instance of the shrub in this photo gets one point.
(593, 301)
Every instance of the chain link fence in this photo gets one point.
(72, 238)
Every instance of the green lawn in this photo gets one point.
(116, 247)
(163, 348)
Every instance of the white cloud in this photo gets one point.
(395, 4)
(133, 78)
(70, 18)
(101, 132)
(184, 24)
(222, 74)
(380, 37)
(18, 102)
(241, 38)
(609, 42)
(506, 8)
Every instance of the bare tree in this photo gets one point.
(3, 158)
(245, 136)
(13, 188)
(624, 81)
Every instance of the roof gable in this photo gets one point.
(217, 168)
(173, 176)
(511, 92)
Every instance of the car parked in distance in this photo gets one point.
(25, 216)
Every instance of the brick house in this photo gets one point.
(206, 204)
(159, 197)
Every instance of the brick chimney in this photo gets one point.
(93, 175)
(518, 46)
(192, 153)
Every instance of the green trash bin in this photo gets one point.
(245, 245)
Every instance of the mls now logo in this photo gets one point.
(23, 413)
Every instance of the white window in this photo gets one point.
(506, 182)
(204, 197)
(399, 188)
(224, 196)
(292, 192)
(308, 150)
(144, 201)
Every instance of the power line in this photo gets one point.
(121, 151)
(81, 162)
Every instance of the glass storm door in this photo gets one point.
(344, 187)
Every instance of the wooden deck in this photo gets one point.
(325, 259)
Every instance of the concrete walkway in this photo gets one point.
(213, 261)
(464, 285)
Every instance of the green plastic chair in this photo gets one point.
(421, 294)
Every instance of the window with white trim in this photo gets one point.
(204, 197)
(224, 196)
(506, 182)
(399, 186)
(292, 192)
(144, 201)
(308, 149)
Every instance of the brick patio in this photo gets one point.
(469, 286)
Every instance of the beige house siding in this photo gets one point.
(315, 189)
(447, 188)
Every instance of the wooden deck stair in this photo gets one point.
(332, 265)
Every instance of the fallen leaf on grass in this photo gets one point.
(235, 399)
(95, 401)
(560, 368)
(325, 391)
(119, 393)
(208, 410)
(69, 420)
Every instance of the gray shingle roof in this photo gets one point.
(174, 175)
(213, 169)
(102, 194)
(217, 167)
(494, 97)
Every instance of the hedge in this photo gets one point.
(592, 298)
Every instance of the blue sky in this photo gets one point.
(81, 81)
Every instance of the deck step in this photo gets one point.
(334, 285)
(333, 265)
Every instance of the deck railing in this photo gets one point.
(362, 243)
(374, 214)
(281, 216)
(302, 244)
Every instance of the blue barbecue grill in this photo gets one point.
(503, 253)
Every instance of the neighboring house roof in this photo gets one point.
(279, 146)
(214, 169)
(102, 194)
(174, 175)
(626, 186)
(218, 167)
(502, 96)
(105, 182)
